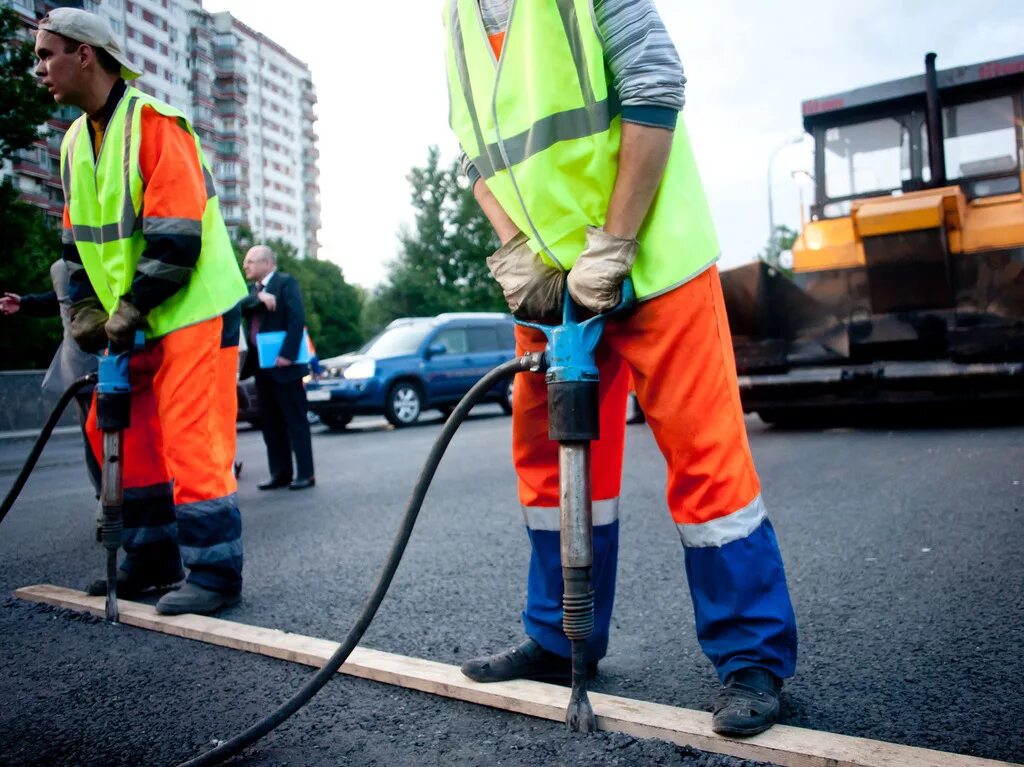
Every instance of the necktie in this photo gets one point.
(254, 325)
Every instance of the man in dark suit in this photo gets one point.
(275, 303)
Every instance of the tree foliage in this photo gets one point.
(441, 266)
(27, 248)
(24, 105)
(28, 243)
(782, 239)
(333, 307)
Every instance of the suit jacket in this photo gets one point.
(289, 316)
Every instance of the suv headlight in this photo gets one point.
(360, 369)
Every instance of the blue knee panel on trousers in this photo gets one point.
(210, 539)
(542, 617)
(743, 612)
(150, 536)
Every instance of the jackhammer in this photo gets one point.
(573, 421)
(113, 416)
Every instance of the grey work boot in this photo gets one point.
(525, 661)
(191, 598)
(748, 703)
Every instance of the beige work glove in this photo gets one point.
(87, 320)
(122, 325)
(533, 289)
(595, 280)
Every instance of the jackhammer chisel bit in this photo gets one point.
(573, 421)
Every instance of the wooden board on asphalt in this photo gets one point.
(789, 746)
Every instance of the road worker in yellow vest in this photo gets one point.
(567, 111)
(148, 251)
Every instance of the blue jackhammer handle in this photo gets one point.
(571, 311)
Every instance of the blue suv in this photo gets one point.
(415, 364)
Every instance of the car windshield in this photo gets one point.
(395, 342)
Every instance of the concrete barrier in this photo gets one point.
(24, 405)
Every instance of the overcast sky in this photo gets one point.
(379, 72)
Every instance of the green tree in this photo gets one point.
(27, 248)
(24, 105)
(782, 239)
(441, 266)
(333, 307)
(29, 244)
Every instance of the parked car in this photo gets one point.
(248, 402)
(415, 364)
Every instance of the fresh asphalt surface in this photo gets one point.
(902, 545)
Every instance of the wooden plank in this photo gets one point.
(789, 746)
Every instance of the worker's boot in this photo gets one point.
(525, 661)
(191, 598)
(132, 588)
(748, 703)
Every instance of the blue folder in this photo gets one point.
(268, 347)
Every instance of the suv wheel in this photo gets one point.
(335, 421)
(404, 404)
(506, 396)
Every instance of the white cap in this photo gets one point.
(85, 27)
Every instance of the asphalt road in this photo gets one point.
(902, 547)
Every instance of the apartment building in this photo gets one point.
(266, 155)
(251, 102)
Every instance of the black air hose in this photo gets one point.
(42, 439)
(533, 361)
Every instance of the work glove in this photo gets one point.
(87, 320)
(595, 280)
(533, 289)
(122, 325)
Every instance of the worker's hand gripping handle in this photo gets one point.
(572, 371)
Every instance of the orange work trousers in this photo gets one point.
(180, 500)
(678, 349)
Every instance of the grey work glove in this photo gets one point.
(87, 320)
(595, 279)
(122, 325)
(533, 289)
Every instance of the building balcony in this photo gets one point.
(230, 93)
(30, 168)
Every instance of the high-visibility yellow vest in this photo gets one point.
(104, 198)
(542, 126)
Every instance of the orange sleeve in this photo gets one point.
(173, 202)
(171, 174)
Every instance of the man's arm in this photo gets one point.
(174, 200)
(648, 76)
(43, 304)
(504, 226)
(295, 320)
(642, 158)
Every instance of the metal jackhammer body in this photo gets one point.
(113, 416)
(573, 421)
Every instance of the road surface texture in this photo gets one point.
(902, 545)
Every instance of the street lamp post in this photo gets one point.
(800, 192)
(771, 159)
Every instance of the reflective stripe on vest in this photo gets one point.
(542, 126)
(104, 198)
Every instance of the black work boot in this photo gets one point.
(748, 703)
(131, 588)
(525, 661)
